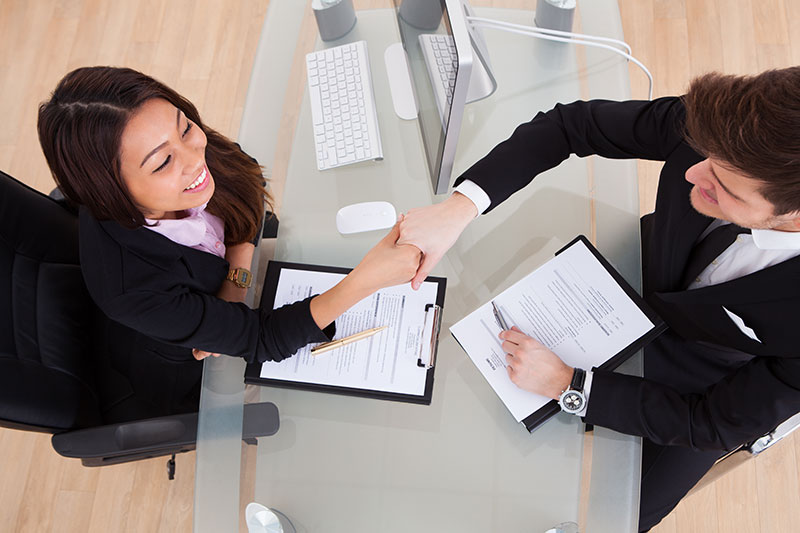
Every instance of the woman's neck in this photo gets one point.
(169, 215)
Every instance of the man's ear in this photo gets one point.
(795, 220)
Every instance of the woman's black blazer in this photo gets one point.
(166, 292)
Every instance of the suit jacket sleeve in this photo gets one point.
(741, 407)
(618, 130)
(196, 320)
(167, 292)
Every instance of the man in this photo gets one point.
(728, 369)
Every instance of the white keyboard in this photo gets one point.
(343, 106)
(440, 56)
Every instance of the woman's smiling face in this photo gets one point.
(162, 160)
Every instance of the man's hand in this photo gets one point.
(434, 229)
(533, 367)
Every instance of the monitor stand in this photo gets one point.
(397, 70)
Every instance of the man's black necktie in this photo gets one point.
(709, 249)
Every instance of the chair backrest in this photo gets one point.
(47, 379)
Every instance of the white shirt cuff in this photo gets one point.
(475, 193)
(587, 387)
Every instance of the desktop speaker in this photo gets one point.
(334, 18)
(421, 14)
(555, 14)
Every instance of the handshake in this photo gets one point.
(416, 243)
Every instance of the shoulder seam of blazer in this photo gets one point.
(158, 250)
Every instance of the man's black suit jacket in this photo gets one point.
(709, 397)
(166, 292)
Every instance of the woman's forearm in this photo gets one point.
(326, 307)
(239, 256)
(385, 265)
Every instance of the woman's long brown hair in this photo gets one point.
(80, 130)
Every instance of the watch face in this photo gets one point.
(241, 277)
(572, 401)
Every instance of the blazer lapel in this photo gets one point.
(762, 286)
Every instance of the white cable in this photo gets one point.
(558, 33)
(536, 32)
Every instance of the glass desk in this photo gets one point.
(461, 464)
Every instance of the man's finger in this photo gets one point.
(423, 271)
(516, 336)
(509, 347)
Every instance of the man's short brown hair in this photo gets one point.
(752, 124)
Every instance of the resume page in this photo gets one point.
(571, 304)
(386, 361)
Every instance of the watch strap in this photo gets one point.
(578, 377)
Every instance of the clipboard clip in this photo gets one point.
(430, 336)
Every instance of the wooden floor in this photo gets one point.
(204, 49)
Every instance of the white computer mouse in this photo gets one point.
(365, 216)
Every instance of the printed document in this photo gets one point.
(384, 362)
(571, 304)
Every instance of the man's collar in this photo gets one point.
(770, 239)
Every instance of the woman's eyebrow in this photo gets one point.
(160, 146)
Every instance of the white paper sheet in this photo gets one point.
(385, 362)
(571, 304)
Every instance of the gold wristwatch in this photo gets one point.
(241, 277)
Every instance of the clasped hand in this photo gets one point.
(434, 229)
(388, 263)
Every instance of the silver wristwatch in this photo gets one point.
(572, 400)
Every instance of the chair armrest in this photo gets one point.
(154, 436)
(772, 438)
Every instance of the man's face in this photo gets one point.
(726, 194)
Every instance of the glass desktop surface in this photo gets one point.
(341, 463)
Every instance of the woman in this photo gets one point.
(168, 209)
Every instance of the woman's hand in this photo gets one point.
(533, 367)
(434, 229)
(200, 354)
(387, 263)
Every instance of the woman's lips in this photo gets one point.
(203, 178)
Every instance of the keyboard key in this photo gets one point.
(316, 104)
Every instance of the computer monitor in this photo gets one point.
(428, 27)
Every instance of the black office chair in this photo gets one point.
(55, 376)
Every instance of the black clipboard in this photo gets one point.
(433, 311)
(535, 419)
